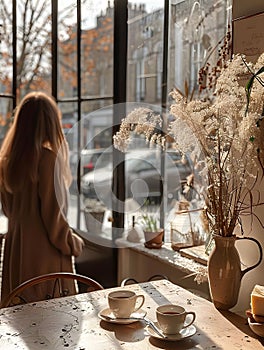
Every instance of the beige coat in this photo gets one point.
(39, 239)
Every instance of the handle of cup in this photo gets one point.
(192, 320)
(140, 303)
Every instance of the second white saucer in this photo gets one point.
(184, 333)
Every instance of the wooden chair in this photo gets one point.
(130, 280)
(15, 298)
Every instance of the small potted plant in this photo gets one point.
(94, 211)
(152, 232)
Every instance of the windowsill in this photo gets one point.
(166, 255)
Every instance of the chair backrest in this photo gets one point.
(130, 280)
(15, 298)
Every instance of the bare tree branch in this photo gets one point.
(33, 39)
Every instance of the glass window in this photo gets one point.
(195, 31)
(78, 67)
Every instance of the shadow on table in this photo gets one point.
(136, 332)
(183, 344)
(242, 324)
(133, 332)
(191, 342)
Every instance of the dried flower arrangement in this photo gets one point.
(221, 130)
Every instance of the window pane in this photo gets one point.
(67, 49)
(197, 28)
(94, 155)
(6, 57)
(97, 50)
(145, 46)
(33, 46)
(6, 106)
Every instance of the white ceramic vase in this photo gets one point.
(224, 271)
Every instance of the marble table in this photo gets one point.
(73, 323)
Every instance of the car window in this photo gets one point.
(137, 165)
(87, 158)
(104, 160)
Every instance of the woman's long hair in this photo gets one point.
(37, 124)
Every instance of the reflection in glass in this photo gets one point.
(197, 28)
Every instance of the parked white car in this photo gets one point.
(142, 177)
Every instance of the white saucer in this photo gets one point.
(184, 333)
(106, 313)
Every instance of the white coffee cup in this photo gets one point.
(171, 318)
(123, 303)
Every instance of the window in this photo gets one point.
(71, 51)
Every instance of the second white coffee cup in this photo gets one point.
(124, 302)
(171, 318)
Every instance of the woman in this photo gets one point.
(34, 174)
